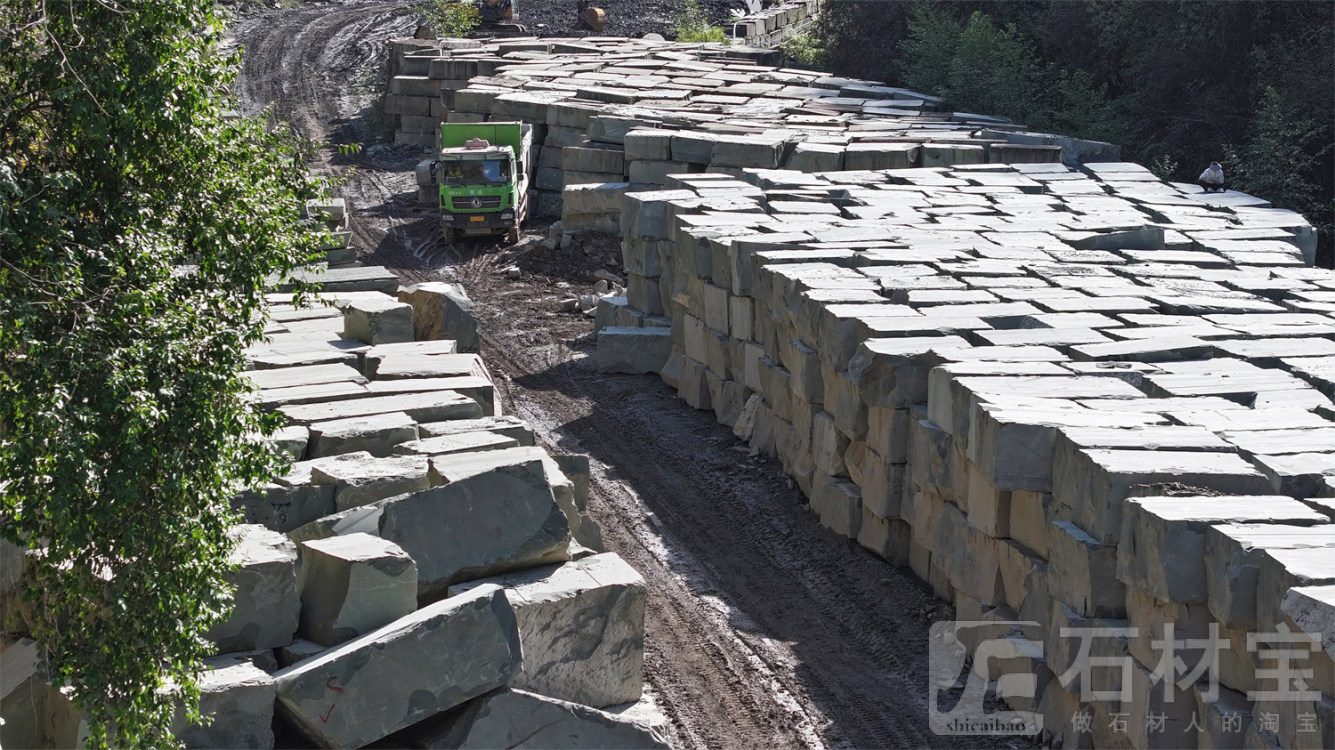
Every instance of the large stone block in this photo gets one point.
(881, 156)
(267, 602)
(376, 434)
(582, 629)
(1084, 572)
(593, 198)
(442, 310)
(378, 319)
(35, 713)
(283, 507)
(522, 720)
(633, 350)
(239, 701)
(353, 584)
(816, 157)
(1095, 482)
(1162, 549)
(498, 516)
(416, 667)
(1232, 564)
(361, 479)
(1283, 569)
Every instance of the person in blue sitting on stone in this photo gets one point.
(1212, 179)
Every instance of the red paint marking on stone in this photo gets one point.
(332, 684)
(324, 717)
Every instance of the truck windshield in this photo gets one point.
(476, 172)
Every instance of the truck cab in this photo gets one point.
(483, 183)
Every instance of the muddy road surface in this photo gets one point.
(763, 629)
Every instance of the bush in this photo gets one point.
(453, 18)
(693, 26)
(804, 50)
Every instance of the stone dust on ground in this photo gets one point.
(763, 628)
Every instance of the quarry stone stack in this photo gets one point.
(405, 480)
(1079, 403)
(614, 114)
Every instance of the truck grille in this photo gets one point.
(475, 202)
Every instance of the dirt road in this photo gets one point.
(763, 629)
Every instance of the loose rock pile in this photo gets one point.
(629, 112)
(423, 573)
(1066, 399)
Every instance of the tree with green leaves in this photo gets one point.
(1275, 162)
(138, 226)
(1170, 81)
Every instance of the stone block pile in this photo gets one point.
(1077, 403)
(629, 112)
(772, 26)
(424, 575)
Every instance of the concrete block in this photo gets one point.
(428, 662)
(353, 584)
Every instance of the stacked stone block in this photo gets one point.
(1082, 400)
(406, 481)
(613, 110)
(775, 24)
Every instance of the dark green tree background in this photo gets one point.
(1174, 82)
(138, 224)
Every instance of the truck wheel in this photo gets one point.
(512, 236)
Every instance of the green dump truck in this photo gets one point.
(482, 173)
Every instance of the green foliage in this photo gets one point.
(1179, 77)
(1274, 162)
(452, 18)
(804, 50)
(692, 25)
(929, 49)
(1164, 167)
(993, 71)
(138, 226)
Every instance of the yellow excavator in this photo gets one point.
(498, 17)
